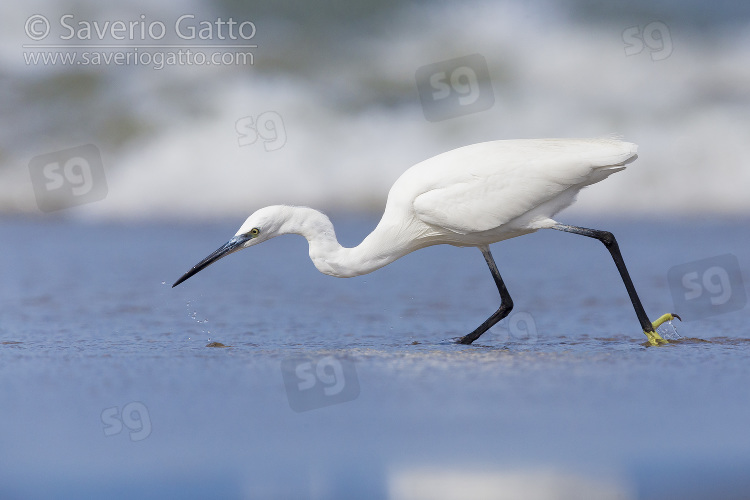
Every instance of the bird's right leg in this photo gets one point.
(649, 328)
(506, 303)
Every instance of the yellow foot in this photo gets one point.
(653, 337)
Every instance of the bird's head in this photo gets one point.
(263, 225)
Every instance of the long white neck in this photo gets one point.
(381, 247)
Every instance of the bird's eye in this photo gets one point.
(254, 231)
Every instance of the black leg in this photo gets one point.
(609, 241)
(506, 303)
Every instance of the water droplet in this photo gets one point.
(669, 331)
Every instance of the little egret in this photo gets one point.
(468, 197)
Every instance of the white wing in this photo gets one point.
(481, 187)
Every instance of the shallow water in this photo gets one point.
(108, 388)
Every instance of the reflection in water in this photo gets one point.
(457, 483)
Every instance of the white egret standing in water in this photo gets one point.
(468, 197)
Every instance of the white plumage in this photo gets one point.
(470, 196)
(501, 187)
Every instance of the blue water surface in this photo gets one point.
(108, 388)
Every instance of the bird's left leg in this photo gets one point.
(649, 328)
(506, 303)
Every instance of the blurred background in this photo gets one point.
(326, 111)
(124, 160)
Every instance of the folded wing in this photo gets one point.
(486, 185)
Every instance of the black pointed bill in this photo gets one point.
(230, 246)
